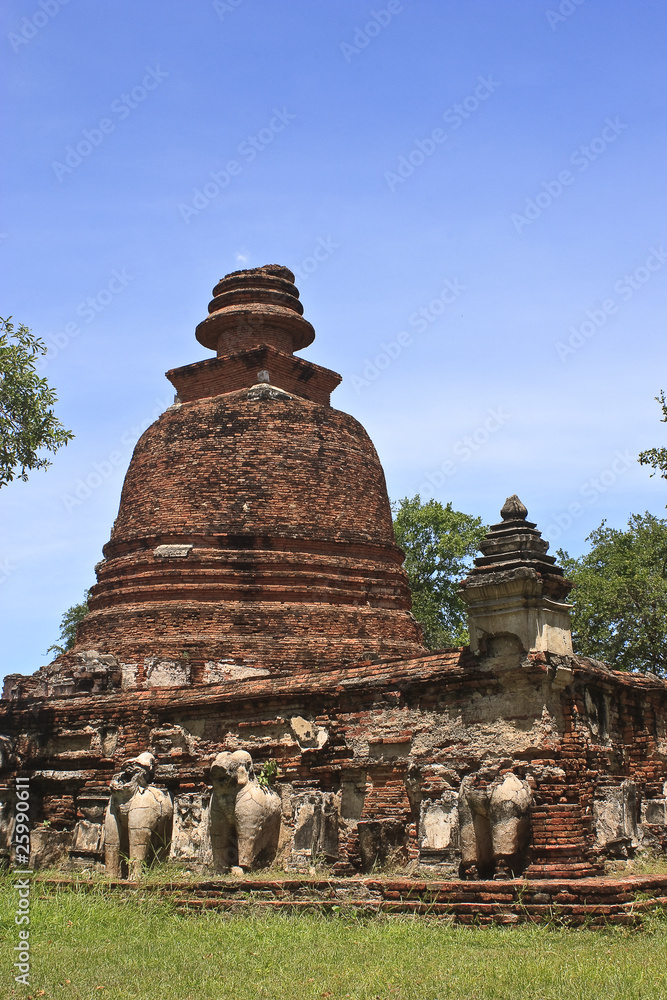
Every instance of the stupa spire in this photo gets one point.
(259, 306)
(255, 324)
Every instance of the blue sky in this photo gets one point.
(471, 192)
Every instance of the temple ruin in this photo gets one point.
(251, 607)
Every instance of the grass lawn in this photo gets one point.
(98, 945)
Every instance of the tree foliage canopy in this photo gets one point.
(439, 543)
(620, 597)
(27, 421)
(656, 458)
(68, 624)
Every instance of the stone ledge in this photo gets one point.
(594, 902)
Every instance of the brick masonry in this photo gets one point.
(252, 597)
(254, 525)
(396, 733)
(586, 902)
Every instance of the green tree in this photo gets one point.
(656, 458)
(68, 624)
(620, 597)
(27, 421)
(439, 543)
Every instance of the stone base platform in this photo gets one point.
(595, 902)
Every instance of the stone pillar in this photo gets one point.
(515, 592)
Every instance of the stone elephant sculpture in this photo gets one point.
(244, 815)
(138, 818)
(494, 826)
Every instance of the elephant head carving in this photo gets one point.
(244, 817)
(138, 818)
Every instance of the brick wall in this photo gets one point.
(395, 730)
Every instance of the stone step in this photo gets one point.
(458, 912)
(593, 901)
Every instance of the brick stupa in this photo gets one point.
(252, 599)
(254, 525)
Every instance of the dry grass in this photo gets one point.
(642, 864)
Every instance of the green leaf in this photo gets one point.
(28, 425)
(68, 624)
(620, 595)
(439, 544)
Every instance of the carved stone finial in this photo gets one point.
(263, 376)
(513, 509)
(515, 592)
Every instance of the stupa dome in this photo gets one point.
(254, 526)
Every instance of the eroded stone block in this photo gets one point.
(172, 551)
(49, 848)
(87, 846)
(166, 673)
(315, 825)
(129, 676)
(190, 837)
(88, 838)
(382, 842)
(654, 812)
(615, 818)
(168, 738)
(223, 670)
(439, 828)
(307, 734)
(352, 797)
